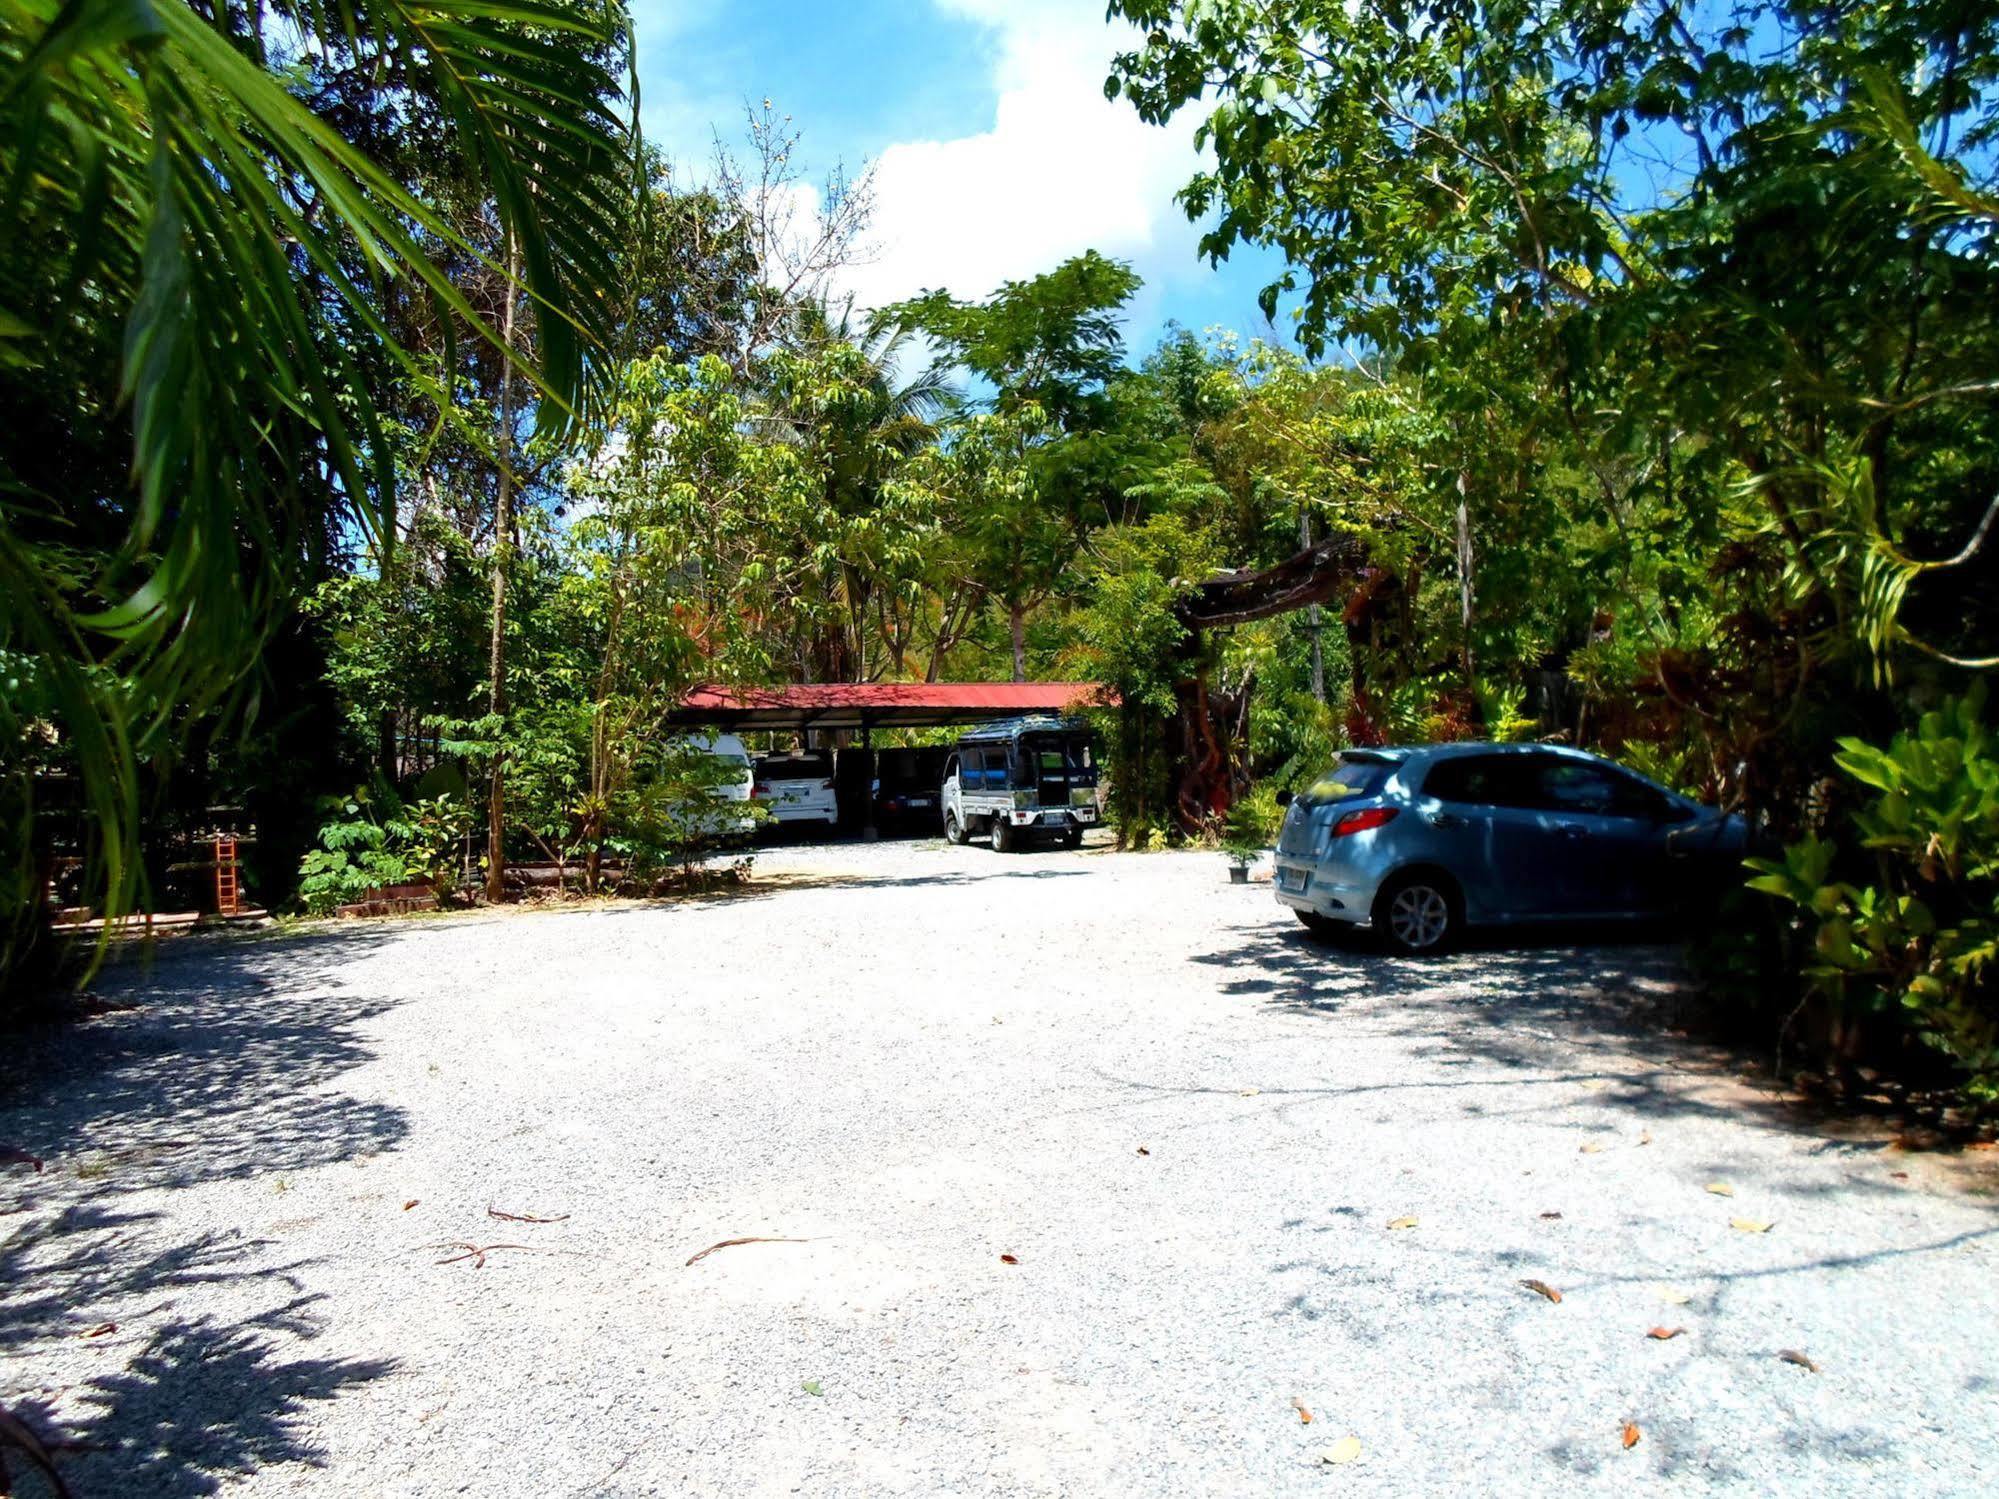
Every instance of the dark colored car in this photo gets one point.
(906, 788)
(1421, 843)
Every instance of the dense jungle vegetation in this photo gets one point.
(382, 420)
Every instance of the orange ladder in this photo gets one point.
(228, 889)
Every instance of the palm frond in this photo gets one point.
(241, 250)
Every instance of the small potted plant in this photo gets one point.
(1244, 834)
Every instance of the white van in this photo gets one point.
(728, 812)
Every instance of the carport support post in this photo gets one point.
(869, 832)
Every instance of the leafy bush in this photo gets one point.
(1251, 824)
(435, 830)
(373, 840)
(358, 851)
(1918, 939)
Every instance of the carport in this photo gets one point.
(862, 707)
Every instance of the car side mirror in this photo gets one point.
(1284, 798)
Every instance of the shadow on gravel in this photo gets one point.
(1525, 1009)
(221, 1069)
(227, 1067)
(199, 1405)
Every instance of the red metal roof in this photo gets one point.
(837, 705)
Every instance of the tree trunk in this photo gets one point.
(951, 624)
(858, 592)
(503, 550)
(1313, 625)
(1465, 660)
(385, 745)
(1017, 617)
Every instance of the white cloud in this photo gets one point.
(1061, 170)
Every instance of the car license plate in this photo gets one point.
(1293, 880)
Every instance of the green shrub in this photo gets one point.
(1918, 938)
(1251, 824)
(358, 851)
(372, 840)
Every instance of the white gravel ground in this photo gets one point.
(1190, 1127)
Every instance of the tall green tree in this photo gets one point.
(1729, 269)
(193, 329)
(1045, 351)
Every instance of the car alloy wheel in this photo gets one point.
(1419, 917)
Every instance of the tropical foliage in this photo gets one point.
(381, 412)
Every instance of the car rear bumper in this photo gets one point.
(800, 812)
(1323, 890)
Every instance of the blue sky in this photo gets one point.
(995, 152)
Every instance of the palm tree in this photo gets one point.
(200, 272)
(850, 390)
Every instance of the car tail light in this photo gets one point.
(825, 785)
(760, 789)
(1361, 821)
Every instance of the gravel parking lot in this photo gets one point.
(1083, 1174)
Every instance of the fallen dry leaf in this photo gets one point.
(101, 1329)
(1749, 1225)
(732, 1243)
(1900, 1176)
(1673, 1296)
(1345, 1450)
(1542, 1288)
(1551, 1215)
(411, 1203)
(1630, 1435)
(476, 1253)
(1721, 1189)
(1304, 1414)
(1143, 1151)
(1402, 1223)
(1664, 1333)
(1008, 1259)
(1590, 1147)
(1803, 1361)
(1645, 1138)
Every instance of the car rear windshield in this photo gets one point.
(905, 767)
(795, 768)
(1354, 775)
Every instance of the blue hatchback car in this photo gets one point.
(1421, 843)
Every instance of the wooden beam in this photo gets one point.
(1311, 576)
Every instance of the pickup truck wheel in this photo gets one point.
(1002, 835)
(954, 831)
(1073, 838)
